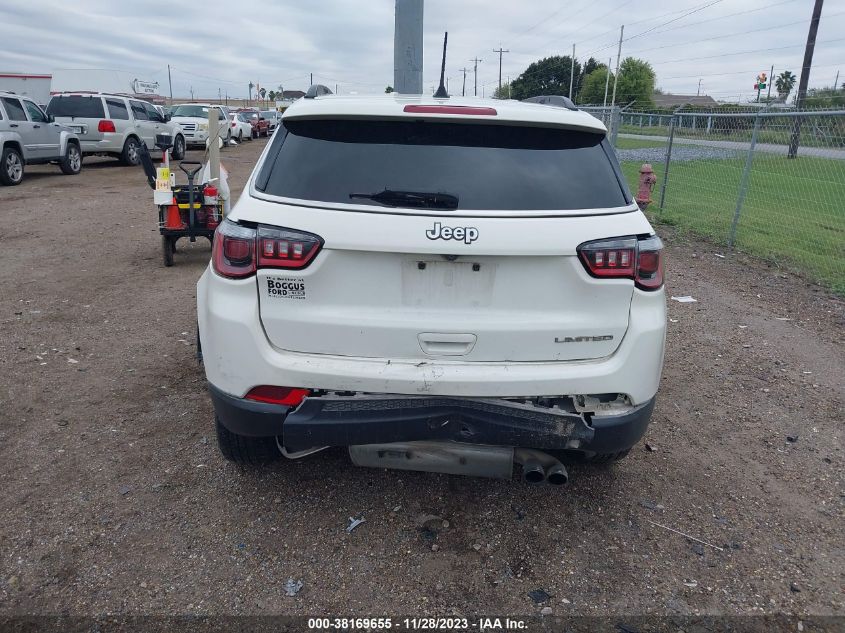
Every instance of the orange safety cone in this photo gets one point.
(173, 219)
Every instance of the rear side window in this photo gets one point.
(14, 109)
(117, 109)
(82, 106)
(487, 167)
(138, 110)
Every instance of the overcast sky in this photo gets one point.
(350, 42)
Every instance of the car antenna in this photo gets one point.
(441, 89)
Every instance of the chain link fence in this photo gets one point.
(769, 183)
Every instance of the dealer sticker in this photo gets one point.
(286, 287)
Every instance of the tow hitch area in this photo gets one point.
(455, 458)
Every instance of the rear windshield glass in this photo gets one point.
(88, 107)
(495, 167)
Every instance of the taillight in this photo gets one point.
(288, 396)
(283, 248)
(233, 124)
(233, 252)
(634, 258)
(106, 126)
(239, 251)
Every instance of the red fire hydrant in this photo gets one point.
(647, 182)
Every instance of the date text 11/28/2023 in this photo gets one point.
(417, 624)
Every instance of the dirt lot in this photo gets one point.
(115, 498)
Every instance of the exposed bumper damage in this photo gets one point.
(347, 420)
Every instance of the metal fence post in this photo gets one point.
(743, 183)
(615, 122)
(666, 162)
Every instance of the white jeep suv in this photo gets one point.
(450, 285)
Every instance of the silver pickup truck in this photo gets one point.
(28, 136)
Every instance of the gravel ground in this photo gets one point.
(680, 153)
(115, 499)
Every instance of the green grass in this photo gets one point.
(793, 213)
(635, 143)
(777, 133)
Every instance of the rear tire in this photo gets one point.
(240, 136)
(247, 451)
(71, 164)
(11, 167)
(131, 154)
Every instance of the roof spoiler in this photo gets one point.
(317, 90)
(558, 101)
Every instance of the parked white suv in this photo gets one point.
(193, 119)
(28, 136)
(114, 125)
(451, 285)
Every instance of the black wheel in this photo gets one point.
(228, 138)
(199, 345)
(248, 451)
(254, 133)
(11, 167)
(168, 247)
(71, 164)
(131, 154)
(178, 151)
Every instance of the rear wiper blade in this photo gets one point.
(418, 199)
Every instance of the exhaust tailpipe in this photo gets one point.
(533, 472)
(557, 475)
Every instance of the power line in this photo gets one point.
(756, 50)
(654, 28)
(719, 37)
(689, 24)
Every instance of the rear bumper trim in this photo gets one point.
(347, 421)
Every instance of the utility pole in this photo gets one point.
(312, 80)
(572, 72)
(464, 89)
(170, 83)
(835, 83)
(475, 73)
(408, 47)
(618, 55)
(500, 51)
(607, 81)
(805, 76)
(509, 86)
(219, 96)
(698, 92)
(192, 93)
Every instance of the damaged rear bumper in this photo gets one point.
(334, 420)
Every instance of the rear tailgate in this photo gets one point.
(493, 277)
(82, 113)
(516, 293)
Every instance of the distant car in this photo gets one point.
(240, 126)
(114, 125)
(272, 117)
(260, 125)
(193, 119)
(29, 136)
